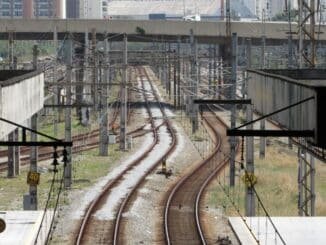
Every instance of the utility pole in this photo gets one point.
(290, 46)
(169, 70)
(104, 103)
(175, 62)
(250, 205)
(33, 200)
(11, 50)
(17, 153)
(233, 107)
(263, 42)
(210, 70)
(262, 143)
(68, 167)
(179, 72)
(193, 82)
(56, 90)
(11, 136)
(88, 89)
(123, 111)
(94, 63)
(228, 33)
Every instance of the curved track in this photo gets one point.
(111, 232)
(181, 216)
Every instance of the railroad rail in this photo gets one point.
(182, 213)
(113, 232)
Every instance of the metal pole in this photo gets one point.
(123, 111)
(290, 48)
(68, 167)
(312, 186)
(34, 150)
(250, 195)
(263, 42)
(95, 75)
(233, 107)
(56, 117)
(169, 70)
(301, 155)
(301, 34)
(210, 70)
(179, 72)
(11, 149)
(87, 89)
(104, 105)
(17, 152)
(262, 141)
(33, 165)
(193, 82)
(11, 157)
(11, 50)
(175, 79)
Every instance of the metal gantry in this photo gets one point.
(306, 183)
(307, 38)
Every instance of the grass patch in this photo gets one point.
(87, 168)
(277, 185)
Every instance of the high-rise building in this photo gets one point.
(73, 8)
(32, 8)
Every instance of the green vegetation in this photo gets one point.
(87, 168)
(284, 16)
(277, 184)
(23, 49)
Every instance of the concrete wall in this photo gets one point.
(20, 100)
(272, 92)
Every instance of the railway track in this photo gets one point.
(111, 231)
(182, 223)
(82, 142)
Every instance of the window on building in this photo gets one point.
(5, 13)
(5, 6)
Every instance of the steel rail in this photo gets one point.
(167, 153)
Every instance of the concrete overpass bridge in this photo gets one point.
(155, 30)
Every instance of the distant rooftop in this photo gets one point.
(168, 7)
(9, 77)
(175, 8)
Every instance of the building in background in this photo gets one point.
(73, 9)
(32, 9)
(86, 9)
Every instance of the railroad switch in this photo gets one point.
(221, 240)
(164, 170)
